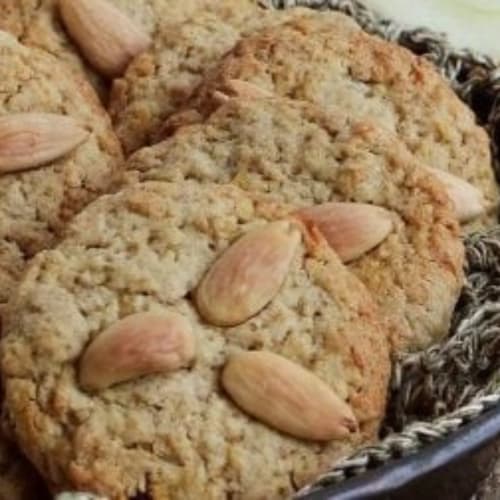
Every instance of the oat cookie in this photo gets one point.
(177, 434)
(158, 81)
(35, 204)
(38, 24)
(329, 61)
(296, 152)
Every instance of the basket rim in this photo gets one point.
(388, 479)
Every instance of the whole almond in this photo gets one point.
(351, 229)
(248, 275)
(106, 36)
(287, 397)
(140, 344)
(468, 200)
(29, 140)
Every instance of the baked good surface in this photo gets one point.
(330, 61)
(158, 81)
(296, 152)
(35, 204)
(178, 435)
(38, 24)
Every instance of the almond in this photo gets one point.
(248, 275)
(30, 140)
(287, 397)
(106, 36)
(468, 200)
(351, 229)
(137, 345)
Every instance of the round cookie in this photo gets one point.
(178, 435)
(298, 153)
(35, 204)
(157, 82)
(37, 24)
(333, 63)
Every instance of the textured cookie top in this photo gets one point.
(178, 435)
(329, 61)
(296, 152)
(159, 81)
(35, 204)
(38, 24)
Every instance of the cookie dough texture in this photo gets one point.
(296, 152)
(37, 23)
(159, 81)
(178, 436)
(330, 61)
(35, 204)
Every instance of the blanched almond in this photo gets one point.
(137, 345)
(248, 274)
(106, 36)
(287, 397)
(30, 140)
(468, 200)
(351, 229)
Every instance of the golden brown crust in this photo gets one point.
(159, 81)
(297, 152)
(327, 61)
(177, 435)
(37, 23)
(36, 204)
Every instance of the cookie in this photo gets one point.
(157, 82)
(35, 204)
(329, 61)
(145, 259)
(38, 24)
(296, 152)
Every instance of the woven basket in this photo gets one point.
(436, 392)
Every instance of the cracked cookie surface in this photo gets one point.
(37, 23)
(178, 435)
(330, 61)
(296, 152)
(36, 204)
(159, 81)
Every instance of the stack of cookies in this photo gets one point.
(219, 223)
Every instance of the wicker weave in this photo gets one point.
(436, 392)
